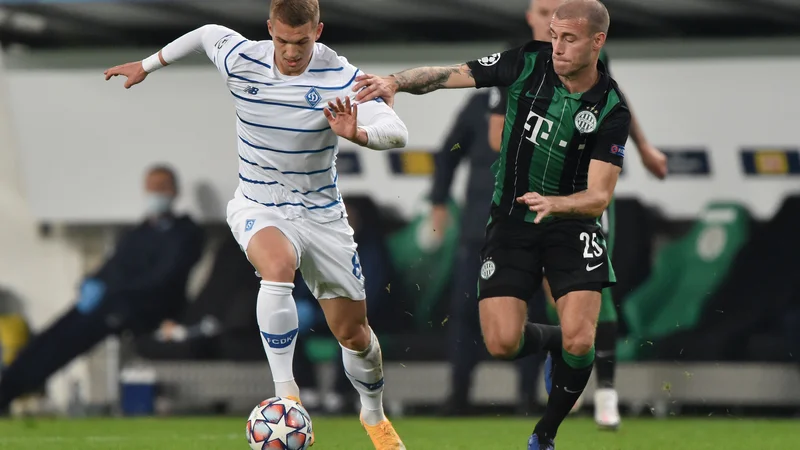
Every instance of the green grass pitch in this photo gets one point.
(418, 434)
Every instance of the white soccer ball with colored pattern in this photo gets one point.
(279, 424)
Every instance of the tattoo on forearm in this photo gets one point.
(426, 79)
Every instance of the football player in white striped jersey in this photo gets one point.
(293, 100)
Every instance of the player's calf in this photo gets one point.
(347, 320)
(274, 257)
(361, 353)
(578, 313)
(276, 312)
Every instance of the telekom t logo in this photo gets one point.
(537, 126)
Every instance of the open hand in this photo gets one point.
(133, 71)
(370, 87)
(537, 203)
(343, 118)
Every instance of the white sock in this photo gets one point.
(277, 320)
(365, 371)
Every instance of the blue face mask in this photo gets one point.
(158, 204)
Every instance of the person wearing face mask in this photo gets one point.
(142, 284)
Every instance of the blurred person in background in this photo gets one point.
(468, 139)
(139, 286)
(606, 409)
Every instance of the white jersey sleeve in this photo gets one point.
(226, 49)
(385, 130)
(223, 46)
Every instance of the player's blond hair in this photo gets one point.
(295, 13)
(593, 11)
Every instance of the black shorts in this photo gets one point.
(570, 252)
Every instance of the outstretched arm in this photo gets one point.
(418, 81)
(500, 69)
(210, 38)
(428, 79)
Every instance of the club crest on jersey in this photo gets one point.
(312, 97)
(487, 269)
(585, 122)
(489, 60)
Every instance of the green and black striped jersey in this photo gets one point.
(550, 135)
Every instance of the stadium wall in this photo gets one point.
(724, 143)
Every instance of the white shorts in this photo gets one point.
(326, 252)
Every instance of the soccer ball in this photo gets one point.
(279, 424)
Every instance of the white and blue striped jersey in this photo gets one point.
(286, 149)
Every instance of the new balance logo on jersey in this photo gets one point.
(536, 126)
(279, 341)
(221, 43)
(251, 90)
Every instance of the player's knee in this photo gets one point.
(502, 344)
(578, 340)
(273, 255)
(353, 335)
(277, 271)
(277, 267)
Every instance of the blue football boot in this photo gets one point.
(534, 444)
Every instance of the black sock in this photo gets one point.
(538, 337)
(605, 344)
(570, 375)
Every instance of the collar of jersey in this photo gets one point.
(593, 95)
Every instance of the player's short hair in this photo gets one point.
(167, 170)
(295, 13)
(593, 11)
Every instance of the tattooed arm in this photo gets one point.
(499, 69)
(428, 79)
(415, 81)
